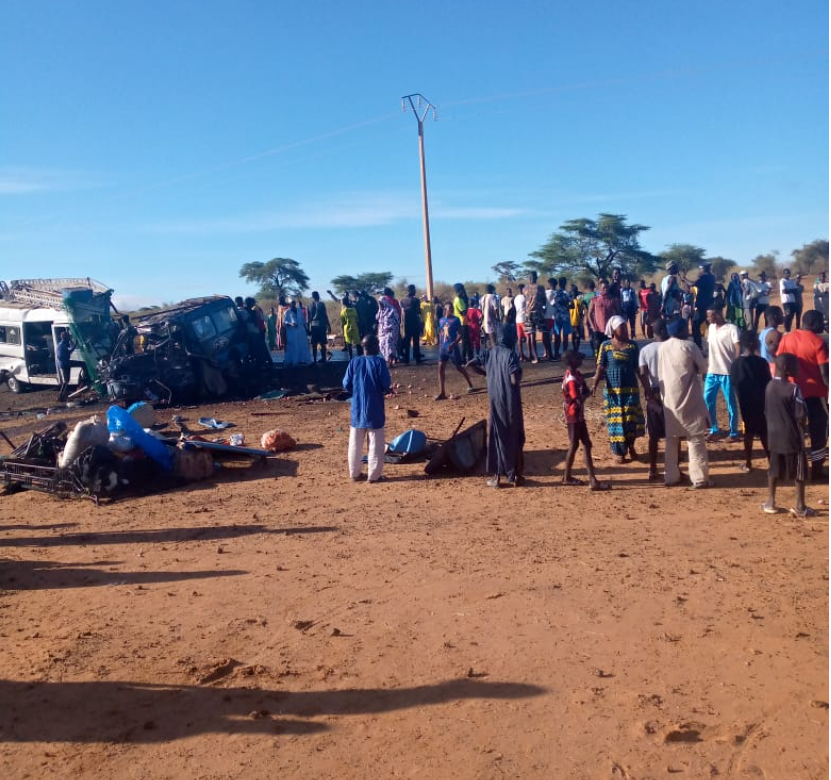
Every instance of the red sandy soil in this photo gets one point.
(283, 621)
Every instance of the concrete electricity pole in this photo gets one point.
(421, 107)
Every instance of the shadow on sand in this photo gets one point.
(134, 712)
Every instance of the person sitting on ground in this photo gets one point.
(450, 337)
(749, 376)
(648, 373)
(575, 393)
(506, 428)
(368, 379)
(786, 414)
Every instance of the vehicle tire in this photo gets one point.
(15, 385)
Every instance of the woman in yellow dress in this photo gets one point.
(349, 319)
(428, 321)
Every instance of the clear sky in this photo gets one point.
(159, 145)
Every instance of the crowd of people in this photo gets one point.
(774, 383)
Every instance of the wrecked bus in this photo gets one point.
(199, 348)
(34, 313)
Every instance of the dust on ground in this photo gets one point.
(284, 621)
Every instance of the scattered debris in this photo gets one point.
(277, 441)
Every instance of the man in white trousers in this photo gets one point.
(680, 366)
(368, 380)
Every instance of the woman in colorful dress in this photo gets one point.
(389, 325)
(428, 322)
(617, 363)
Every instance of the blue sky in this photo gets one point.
(158, 146)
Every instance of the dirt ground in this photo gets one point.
(283, 621)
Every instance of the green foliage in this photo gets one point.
(280, 276)
(687, 256)
(372, 282)
(811, 258)
(722, 267)
(767, 263)
(507, 271)
(593, 247)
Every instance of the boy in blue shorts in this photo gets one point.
(450, 336)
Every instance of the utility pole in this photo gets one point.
(421, 107)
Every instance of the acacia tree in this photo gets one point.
(767, 263)
(507, 270)
(811, 258)
(371, 282)
(685, 256)
(721, 266)
(280, 276)
(594, 247)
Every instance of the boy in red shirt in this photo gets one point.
(575, 393)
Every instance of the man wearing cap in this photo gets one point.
(680, 366)
(763, 301)
(750, 295)
(669, 284)
(705, 288)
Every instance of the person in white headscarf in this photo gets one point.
(617, 363)
(297, 340)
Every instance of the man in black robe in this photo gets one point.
(506, 431)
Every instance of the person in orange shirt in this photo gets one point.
(812, 353)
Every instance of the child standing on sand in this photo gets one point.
(786, 415)
(575, 393)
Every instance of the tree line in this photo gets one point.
(580, 250)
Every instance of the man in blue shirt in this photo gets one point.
(368, 379)
(450, 336)
(62, 353)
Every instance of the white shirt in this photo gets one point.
(490, 309)
(787, 291)
(519, 304)
(722, 340)
(549, 304)
(764, 293)
(648, 357)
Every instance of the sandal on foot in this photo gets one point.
(471, 390)
(494, 482)
(770, 510)
(653, 476)
(802, 513)
(573, 481)
(745, 469)
(440, 397)
(600, 486)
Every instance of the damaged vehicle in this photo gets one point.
(199, 348)
(34, 313)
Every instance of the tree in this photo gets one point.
(811, 258)
(721, 266)
(687, 256)
(506, 271)
(767, 263)
(372, 282)
(594, 247)
(280, 276)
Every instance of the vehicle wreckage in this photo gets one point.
(198, 349)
